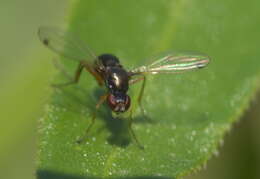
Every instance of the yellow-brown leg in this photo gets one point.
(140, 96)
(139, 101)
(101, 101)
(75, 78)
(93, 72)
(133, 133)
(77, 74)
(141, 93)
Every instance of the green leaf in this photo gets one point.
(188, 114)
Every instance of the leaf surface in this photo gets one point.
(187, 114)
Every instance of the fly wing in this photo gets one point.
(65, 44)
(175, 62)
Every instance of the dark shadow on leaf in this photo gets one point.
(75, 99)
(119, 132)
(45, 174)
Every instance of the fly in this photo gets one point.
(108, 71)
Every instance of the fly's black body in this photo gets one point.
(116, 80)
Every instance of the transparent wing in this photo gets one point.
(65, 44)
(175, 62)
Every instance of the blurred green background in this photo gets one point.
(24, 79)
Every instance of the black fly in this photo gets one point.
(108, 71)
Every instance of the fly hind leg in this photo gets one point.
(77, 74)
(73, 80)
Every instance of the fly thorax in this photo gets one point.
(117, 80)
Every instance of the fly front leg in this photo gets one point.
(133, 133)
(102, 99)
(141, 93)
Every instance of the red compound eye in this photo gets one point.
(127, 102)
(111, 100)
(118, 104)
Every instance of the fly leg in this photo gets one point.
(141, 93)
(132, 132)
(140, 96)
(77, 74)
(74, 80)
(139, 100)
(93, 119)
